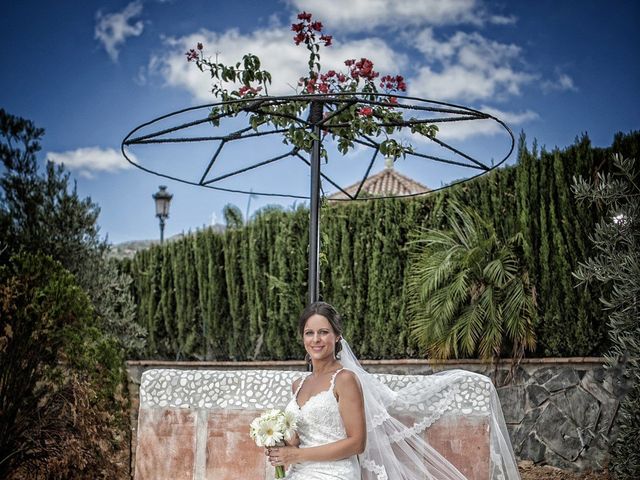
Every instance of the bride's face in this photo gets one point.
(319, 337)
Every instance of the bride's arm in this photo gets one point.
(351, 406)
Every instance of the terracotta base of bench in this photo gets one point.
(182, 444)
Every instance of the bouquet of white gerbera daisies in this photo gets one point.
(272, 429)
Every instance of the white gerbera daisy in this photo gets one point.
(254, 430)
(290, 424)
(269, 434)
(273, 413)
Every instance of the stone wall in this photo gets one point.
(559, 411)
(563, 415)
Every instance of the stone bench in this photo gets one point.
(194, 424)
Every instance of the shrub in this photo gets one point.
(62, 404)
(616, 267)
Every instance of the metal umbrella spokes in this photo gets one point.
(416, 111)
(305, 122)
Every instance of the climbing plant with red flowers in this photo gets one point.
(368, 105)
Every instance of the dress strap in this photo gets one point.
(300, 385)
(333, 379)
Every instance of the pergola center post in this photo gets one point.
(315, 117)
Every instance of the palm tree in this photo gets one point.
(232, 216)
(469, 291)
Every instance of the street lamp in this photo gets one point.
(163, 200)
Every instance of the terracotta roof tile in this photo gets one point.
(388, 182)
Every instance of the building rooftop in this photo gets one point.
(388, 182)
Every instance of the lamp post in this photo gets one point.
(163, 200)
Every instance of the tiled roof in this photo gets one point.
(386, 183)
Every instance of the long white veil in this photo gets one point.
(395, 451)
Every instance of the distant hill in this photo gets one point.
(130, 248)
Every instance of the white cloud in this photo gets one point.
(366, 15)
(113, 29)
(458, 83)
(503, 19)
(472, 128)
(563, 82)
(91, 160)
(467, 67)
(140, 78)
(276, 50)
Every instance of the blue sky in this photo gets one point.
(89, 72)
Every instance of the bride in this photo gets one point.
(346, 428)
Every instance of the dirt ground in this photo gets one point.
(529, 471)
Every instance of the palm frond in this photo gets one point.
(495, 272)
(469, 328)
(463, 225)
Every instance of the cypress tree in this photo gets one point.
(167, 312)
(179, 281)
(201, 271)
(236, 293)
(218, 299)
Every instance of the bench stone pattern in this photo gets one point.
(263, 389)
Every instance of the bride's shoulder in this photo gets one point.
(347, 386)
(347, 379)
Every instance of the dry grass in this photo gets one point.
(529, 471)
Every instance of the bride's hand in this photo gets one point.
(283, 455)
(295, 441)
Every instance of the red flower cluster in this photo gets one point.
(310, 84)
(305, 30)
(327, 82)
(326, 39)
(245, 90)
(366, 111)
(192, 54)
(361, 69)
(331, 81)
(392, 84)
(331, 74)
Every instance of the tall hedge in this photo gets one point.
(237, 294)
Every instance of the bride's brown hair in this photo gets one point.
(328, 312)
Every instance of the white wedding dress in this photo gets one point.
(319, 423)
(395, 451)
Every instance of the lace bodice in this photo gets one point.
(319, 420)
(319, 423)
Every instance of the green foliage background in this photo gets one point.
(62, 399)
(237, 294)
(66, 324)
